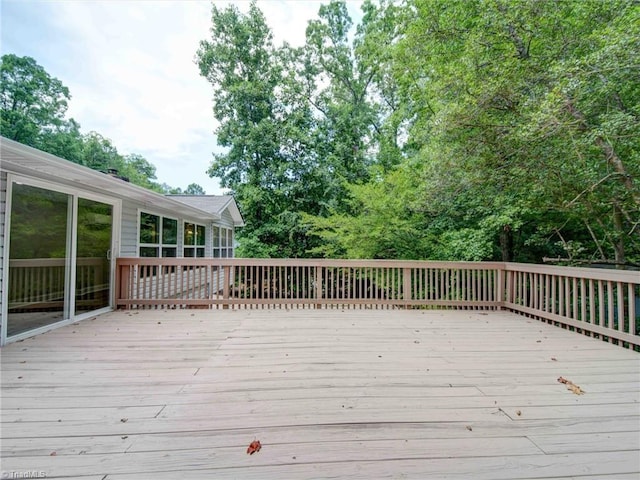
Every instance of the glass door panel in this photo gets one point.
(38, 258)
(93, 272)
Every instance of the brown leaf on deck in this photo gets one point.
(571, 386)
(254, 447)
(575, 389)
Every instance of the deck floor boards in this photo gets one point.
(330, 393)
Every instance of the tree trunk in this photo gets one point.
(618, 240)
(506, 243)
(609, 153)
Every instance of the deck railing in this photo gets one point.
(39, 283)
(601, 302)
(596, 301)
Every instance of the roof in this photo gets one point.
(24, 160)
(215, 204)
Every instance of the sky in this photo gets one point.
(129, 66)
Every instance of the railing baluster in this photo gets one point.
(592, 302)
(610, 305)
(583, 302)
(632, 309)
(601, 304)
(620, 291)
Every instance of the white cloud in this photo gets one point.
(129, 66)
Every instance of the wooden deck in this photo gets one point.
(180, 394)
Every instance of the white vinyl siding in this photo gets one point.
(129, 230)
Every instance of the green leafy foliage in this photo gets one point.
(32, 102)
(443, 129)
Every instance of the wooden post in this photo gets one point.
(498, 287)
(225, 288)
(123, 284)
(406, 286)
(508, 287)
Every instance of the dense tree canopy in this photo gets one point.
(33, 108)
(439, 129)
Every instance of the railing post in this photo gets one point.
(226, 290)
(500, 280)
(123, 287)
(406, 286)
(508, 293)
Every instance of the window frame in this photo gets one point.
(162, 247)
(199, 246)
(222, 244)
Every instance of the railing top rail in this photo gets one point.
(306, 262)
(607, 274)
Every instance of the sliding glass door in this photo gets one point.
(93, 257)
(38, 257)
(59, 257)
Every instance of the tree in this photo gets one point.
(294, 140)
(32, 102)
(443, 129)
(33, 106)
(194, 189)
(261, 165)
(343, 133)
(495, 94)
(590, 114)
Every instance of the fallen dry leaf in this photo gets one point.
(254, 447)
(571, 386)
(575, 389)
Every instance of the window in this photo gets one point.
(222, 242)
(158, 236)
(193, 240)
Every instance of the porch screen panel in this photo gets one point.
(38, 258)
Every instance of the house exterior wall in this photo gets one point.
(129, 227)
(226, 220)
(129, 230)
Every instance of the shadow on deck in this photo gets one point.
(169, 394)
